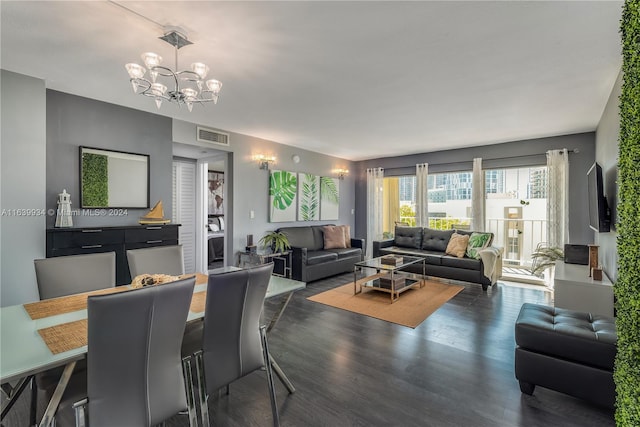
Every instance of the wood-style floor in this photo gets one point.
(455, 369)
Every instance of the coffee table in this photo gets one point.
(389, 277)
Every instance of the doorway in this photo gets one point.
(201, 196)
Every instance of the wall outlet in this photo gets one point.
(252, 214)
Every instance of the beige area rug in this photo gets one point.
(410, 309)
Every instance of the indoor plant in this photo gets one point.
(276, 241)
(545, 257)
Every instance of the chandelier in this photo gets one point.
(163, 84)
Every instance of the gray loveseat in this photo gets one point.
(431, 244)
(310, 261)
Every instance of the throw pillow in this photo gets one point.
(333, 237)
(347, 235)
(457, 245)
(477, 242)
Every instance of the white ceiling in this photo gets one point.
(356, 80)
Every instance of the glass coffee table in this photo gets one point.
(389, 276)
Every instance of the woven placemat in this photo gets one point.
(55, 306)
(66, 336)
(70, 303)
(198, 302)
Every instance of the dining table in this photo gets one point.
(46, 334)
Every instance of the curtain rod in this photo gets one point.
(572, 151)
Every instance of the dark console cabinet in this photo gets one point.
(76, 241)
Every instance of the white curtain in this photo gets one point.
(477, 196)
(374, 207)
(422, 208)
(558, 197)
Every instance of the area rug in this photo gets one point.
(410, 309)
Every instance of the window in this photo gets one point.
(449, 197)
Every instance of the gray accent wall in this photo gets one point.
(22, 167)
(511, 154)
(607, 135)
(73, 121)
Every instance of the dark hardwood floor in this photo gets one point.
(455, 369)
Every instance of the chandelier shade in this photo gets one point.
(186, 87)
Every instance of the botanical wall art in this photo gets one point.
(329, 198)
(282, 196)
(308, 197)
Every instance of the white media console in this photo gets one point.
(575, 290)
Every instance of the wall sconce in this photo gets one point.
(341, 173)
(264, 161)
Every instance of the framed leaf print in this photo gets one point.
(329, 198)
(282, 196)
(308, 197)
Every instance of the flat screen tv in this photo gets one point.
(599, 214)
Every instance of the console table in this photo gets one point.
(575, 290)
(77, 241)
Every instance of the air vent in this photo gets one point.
(215, 137)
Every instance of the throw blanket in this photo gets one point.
(490, 257)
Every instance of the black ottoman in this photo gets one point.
(567, 351)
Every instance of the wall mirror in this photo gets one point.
(113, 179)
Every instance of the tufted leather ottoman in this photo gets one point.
(568, 351)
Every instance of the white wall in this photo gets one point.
(607, 156)
(23, 171)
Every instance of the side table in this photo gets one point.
(281, 260)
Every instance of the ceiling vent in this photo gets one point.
(212, 136)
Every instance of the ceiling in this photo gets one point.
(356, 80)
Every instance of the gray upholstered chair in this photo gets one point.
(234, 342)
(156, 260)
(135, 374)
(66, 275)
(166, 260)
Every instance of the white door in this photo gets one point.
(184, 210)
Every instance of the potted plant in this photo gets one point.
(544, 258)
(276, 241)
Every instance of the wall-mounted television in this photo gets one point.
(599, 214)
(113, 179)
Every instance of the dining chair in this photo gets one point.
(234, 342)
(135, 373)
(72, 274)
(166, 260)
(67, 275)
(157, 260)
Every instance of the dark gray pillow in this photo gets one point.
(436, 240)
(408, 237)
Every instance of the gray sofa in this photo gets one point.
(431, 244)
(310, 261)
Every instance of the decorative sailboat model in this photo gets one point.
(155, 216)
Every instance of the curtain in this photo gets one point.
(374, 207)
(558, 197)
(422, 208)
(477, 196)
(390, 204)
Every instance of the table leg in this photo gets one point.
(52, 407)
(13, 393)
(277, 316)
(282, 376)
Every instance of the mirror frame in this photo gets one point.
(144, 158)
